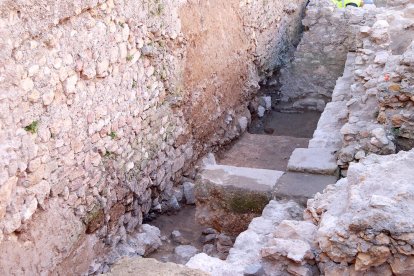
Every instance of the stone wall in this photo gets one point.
(381, 103)
(308, 82)
(364, 221)
(106, 104)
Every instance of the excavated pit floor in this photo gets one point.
(301, 125)
(262, 151)
(183, 221)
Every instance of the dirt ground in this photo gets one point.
(301, 125)
(185, 222)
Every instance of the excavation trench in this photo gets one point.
(294, 147)
(108, 107)
(271, 161)
(268, 144)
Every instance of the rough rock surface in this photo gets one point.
(150, 267)
(246, 249)
(366, 218)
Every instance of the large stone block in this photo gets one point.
(228, 198)
(150, 267)
(313, 160)
(299, 187)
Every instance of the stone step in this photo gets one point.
(228, 197)
(262, 151)
(327, 133)
(313, 160)
(299, 187)
(250, 179)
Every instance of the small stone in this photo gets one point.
(189, 192)
(102, 68)
(29, 209)
(223, 250)
(34, 96)
(397, 120)
(129, 166)
(365, 30)
(123, 51)
(266, 102)
(224, 240)
(177, 237)
(12, 223)
(243, 123)
(381, 57)
(210, 238)
(359, 155)
(70, 84)
(88, 71)
(176, 234)
(173, 203)
(254, 270)
(27, 84)
(41, 190)
(380, 135)
(179, 193)
(183, 253)
(148, 51)
(33, 70)
(261, 111)
(57, 63)
(6, 190)
(150, 71)
(209, 231)
(209, 249)
(394, 87)
(48, 97)
(292, 249)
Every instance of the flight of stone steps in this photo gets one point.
(290, 170)
(296, 168)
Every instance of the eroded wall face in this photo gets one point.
(308, 82)
(105, 104)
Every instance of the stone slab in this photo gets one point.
(262, 151)
(313, 160)
(299, 187)
(228, 197)
(241, 177)
(130, 266)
